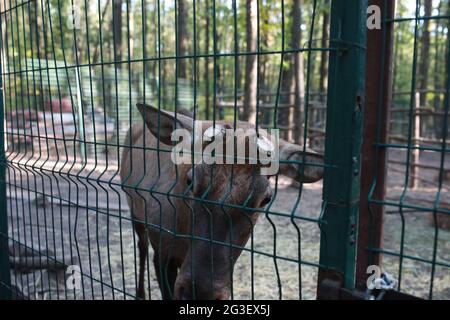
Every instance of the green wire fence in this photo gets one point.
(407, 225)
(92, 208)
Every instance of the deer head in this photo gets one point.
(225, 201)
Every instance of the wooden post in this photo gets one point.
(379, 65)
(415, 161)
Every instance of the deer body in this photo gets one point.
(156, 190)
(154, 208)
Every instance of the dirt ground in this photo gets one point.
(86, 223)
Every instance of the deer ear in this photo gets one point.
(297, 160)
(162, 123)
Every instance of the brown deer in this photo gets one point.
(199, 218)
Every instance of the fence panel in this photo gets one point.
(404, 211)
(71, 92)
(82, 197)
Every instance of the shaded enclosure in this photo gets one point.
(374, 103)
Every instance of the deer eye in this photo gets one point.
(189, 179)
(265, 201)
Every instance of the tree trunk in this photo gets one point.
(41, 52)
(160, 78)
(437, 54)
(3, 7)
(424, 56)
(238, 65)
(287, 89)
(324, 54)
(251, 69)
(395, 64)
(153, 69)
(264, 86)
(293, 81)
(298, 77)
(182, 37)
(98, 44)
(117, 29)
(33, 25)
(437, 120)
(207, 94)
(130, 19)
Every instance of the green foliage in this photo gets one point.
(40, 30)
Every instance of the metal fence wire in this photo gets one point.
(93, 206)
(408, 183)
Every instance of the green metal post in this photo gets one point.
(5, 276)
(343, 143)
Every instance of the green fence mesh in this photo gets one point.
(91, 210)
(413, 242)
